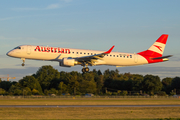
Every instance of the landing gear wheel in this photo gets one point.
(85, 70)
(23, 59)
(23, 64)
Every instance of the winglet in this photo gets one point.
(109, 51)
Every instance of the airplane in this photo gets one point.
(68, 57)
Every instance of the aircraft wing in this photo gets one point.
(91, 58)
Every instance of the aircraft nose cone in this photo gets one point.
(9, 53)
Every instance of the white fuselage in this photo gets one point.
(57, 54)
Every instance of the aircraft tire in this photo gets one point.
(83, 70)
(87, 69)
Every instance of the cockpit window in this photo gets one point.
(17, 47)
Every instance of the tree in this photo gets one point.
(88, 87)
(6, 85)
(106, 74)
(99, 83)
(137, 82)
(167, 84)
(161, 93)
(98, 78)
(35, 92)
(27, 91)
(176, 84)
(15, 90)
(87, 84)
(2, 91)
(53, 91)
(128, 85)
(73, 82)
(31, 83)
(62, 88)
(99, 72)
(124, 93)
(151, 84)
(45, 75)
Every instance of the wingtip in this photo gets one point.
(109, 51)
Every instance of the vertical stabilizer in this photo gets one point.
(157, 49)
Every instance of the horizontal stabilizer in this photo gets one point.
(162, 57)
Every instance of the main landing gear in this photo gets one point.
(85, 69)
(23, 59)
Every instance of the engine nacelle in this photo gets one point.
(67, 62)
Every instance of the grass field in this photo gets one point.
(90, 113)
(90, 101)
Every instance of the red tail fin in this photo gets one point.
(156, 50)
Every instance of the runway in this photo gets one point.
(76, 106)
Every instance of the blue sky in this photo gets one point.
(132, 26)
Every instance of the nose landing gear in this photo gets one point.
(23, 59)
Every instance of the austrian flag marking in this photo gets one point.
(52, 50)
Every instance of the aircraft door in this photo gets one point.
(28, 49)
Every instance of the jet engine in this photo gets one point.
(67, 62)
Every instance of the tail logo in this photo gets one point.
(159, 47)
